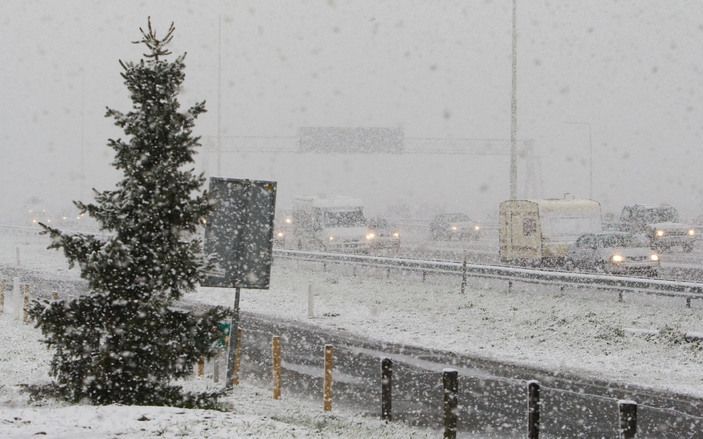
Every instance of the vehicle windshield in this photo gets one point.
(661, 214)
(378, 223)
(625, 241)
(346, 218)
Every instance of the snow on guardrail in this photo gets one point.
(510, 273)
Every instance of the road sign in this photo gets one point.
(239, 233)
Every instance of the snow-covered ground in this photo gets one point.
(252, 412)
(578, 331)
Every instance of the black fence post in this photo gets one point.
(628, 418)
(450, 383)
(386, 389)
(533, 406)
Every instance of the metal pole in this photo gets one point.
(232, 348)
(513, 112)
(219, 96)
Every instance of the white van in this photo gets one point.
(540, 232)
(330, 223)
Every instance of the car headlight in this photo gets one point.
(454, 228)
(289, 220)
(370, 236)
(654, 257)
(396, 234)
(477, 228)
(279, 234)
(331, 238)
(617, 258)
(660, 233)
(691, 232)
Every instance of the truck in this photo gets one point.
(540, 232)
(334, 223)
(661, 226)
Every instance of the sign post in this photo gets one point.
(239, 240)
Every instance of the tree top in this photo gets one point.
(156, 45)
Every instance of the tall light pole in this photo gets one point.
(590, 156)
(513, 113)
(219, 96)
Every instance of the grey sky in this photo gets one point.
(440, 69)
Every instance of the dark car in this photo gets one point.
(448, 226)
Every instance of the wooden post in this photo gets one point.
(386, 389)
(688, 302)
(620, 296)
(628, 418)
(424, 275)
(329, 365)
(276, 348)
(533, 407)
(216, 368)
(201, 367)
(450, 383)
(510, 286)
(2, 297)
(237, 358)
(25, 303)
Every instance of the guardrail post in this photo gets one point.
(463, 276)
(388, 272)
(276, 351)
(510, 286)
(386, 389)
(533, 406)
(2, 297)
(688, 302)
(327, 387)
(424, 275)
(628, 418)
(450, 383)
(620, 298)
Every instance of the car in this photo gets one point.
(448, 226)
(381, 234)
(614, 252)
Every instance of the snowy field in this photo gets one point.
(252, 412)
(582, 331)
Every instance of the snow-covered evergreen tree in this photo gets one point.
(124, 342)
